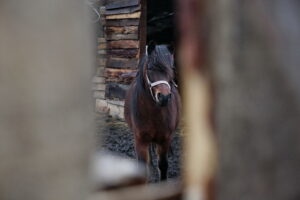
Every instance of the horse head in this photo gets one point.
(158, 73)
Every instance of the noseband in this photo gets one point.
(152, 84)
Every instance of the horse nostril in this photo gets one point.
(163, 99)
(159, 96)
(169, 96)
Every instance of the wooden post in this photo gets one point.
(199, 143)
(46, 112)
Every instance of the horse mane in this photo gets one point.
(161, 59)
(139, 87)
(140, 82)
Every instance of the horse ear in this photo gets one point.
(151, 47)
(171, 48)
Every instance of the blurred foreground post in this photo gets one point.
(46, 115)
(256, 58)
(199, 142)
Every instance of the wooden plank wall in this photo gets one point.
(119, 50)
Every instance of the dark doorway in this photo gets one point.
(160, 21)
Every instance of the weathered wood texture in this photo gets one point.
(101, 40)
(122, 36)
(121, 30)
(102, 46)
(123, 53)
(122, 22)
(120, 75)
(122, 63)
(116, 91)
(122, 33)
(123, 10)
(122, 4)
(256, 68)
(46, 124)
(124, 16)
(123, 44)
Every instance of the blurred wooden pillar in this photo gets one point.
(255, 56)
(199, 143)
(46, 115)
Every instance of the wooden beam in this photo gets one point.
(123, 10)
(124, 16)
(101, 40)
(122, 29)
(122, 63)
(122, 22)
(120, 75)
(123, 44)
(123, 53)
(122, 37)
(122, 4)
(102, 46)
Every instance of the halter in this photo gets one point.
(151, 85)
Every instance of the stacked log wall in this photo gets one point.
(119, 49)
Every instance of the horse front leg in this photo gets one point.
(163, 159)
(142, 154)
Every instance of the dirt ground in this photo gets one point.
(116, 137)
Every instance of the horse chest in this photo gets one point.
(156, 120)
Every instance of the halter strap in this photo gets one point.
(151, 85)
(158, 83)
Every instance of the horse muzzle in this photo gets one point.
(162, 99)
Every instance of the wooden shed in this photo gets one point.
(122, 42)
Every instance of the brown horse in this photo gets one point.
(152, 105)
